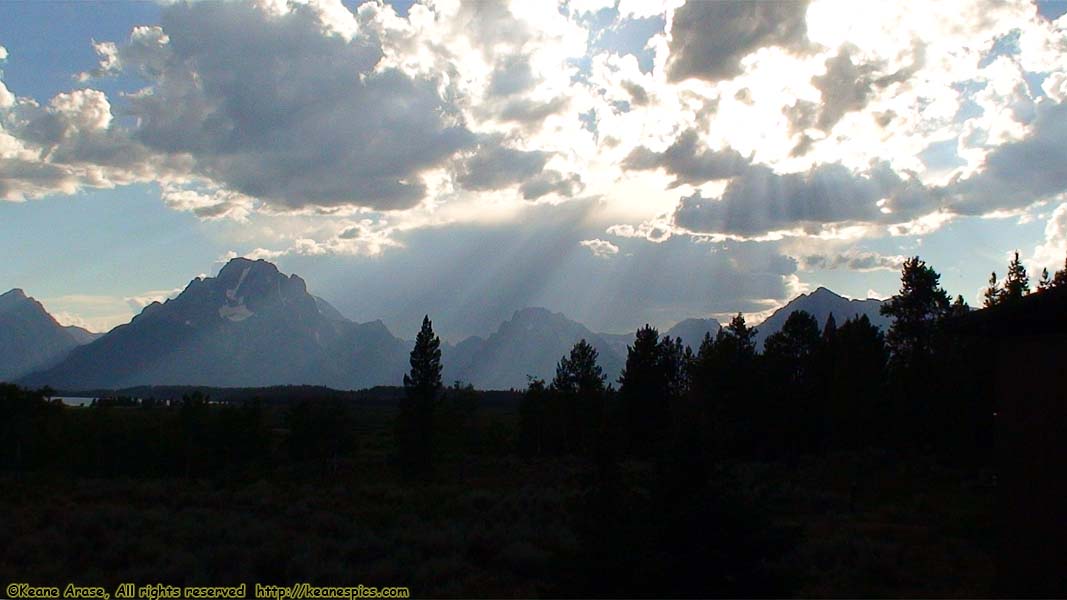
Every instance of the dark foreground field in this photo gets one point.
(490, 523)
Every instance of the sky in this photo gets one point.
(620, 161)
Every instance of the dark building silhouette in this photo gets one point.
(1026, 340)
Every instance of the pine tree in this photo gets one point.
(993, 294)
(1016, 282)
(643, 390)
(830, 329)
(744, 336)
(1045, 282)
(916, 311)
(960, 307)
(422, 388)
(789, 366)
(579, 372)
(789, 351)
(1060, 278)
(580, 384)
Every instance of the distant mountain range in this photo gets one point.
(254, 326)
(30, 339)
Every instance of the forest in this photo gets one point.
(839, 461)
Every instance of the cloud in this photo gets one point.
(551, 182)
(760, 201)
(852, 259)
(276, 109)
(494, 166)
(1052, 252)
(138, 302)
(687, 161)
(709, 39)
(600, 248)
(219, 204)
(1019, 173)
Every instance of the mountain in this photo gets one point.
(821, 304)
(249, 326)
(30, 338)
(692, 331)
(530, 343)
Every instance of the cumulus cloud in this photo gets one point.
(709, 39)
(1052, 252)
(275, 109)
(600, 248)
(1017, 174)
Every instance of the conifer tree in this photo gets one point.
(1016, 282)
(643, 390)
(789, 351)
(916, 311)
(1045, 282)
(579, 372)
(422, 388)
(1060, 278)
(993, 295)
(960, 307)
(580, 384)
(830, 329)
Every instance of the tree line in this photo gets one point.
(814, 388)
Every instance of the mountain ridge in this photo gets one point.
(31, 338)
(252, 325)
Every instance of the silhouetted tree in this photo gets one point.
(422, 387)
(1045, 282)
(1016, 282)
(579, 372)
(789, 351)
(534, 426)
(579, 385)
(993, 293)
(644, 390)
(854, 408)
(732, 413)
(959, 306)
(917, 311)
(789, 417)
(1060, 278)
